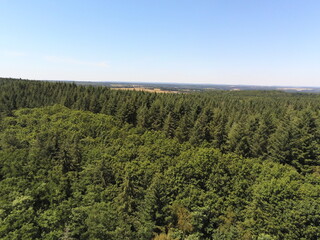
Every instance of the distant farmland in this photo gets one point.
(154, 90)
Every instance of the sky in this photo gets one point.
(248, 42)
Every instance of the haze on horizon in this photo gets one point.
(272, 43)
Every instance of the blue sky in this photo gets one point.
(274, 42)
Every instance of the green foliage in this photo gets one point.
(216, 165)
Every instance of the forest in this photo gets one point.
(89, 162)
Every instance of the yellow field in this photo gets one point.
(154, 90)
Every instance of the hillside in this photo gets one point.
(84, 162)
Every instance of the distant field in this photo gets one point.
(154, 90)
(182, 88)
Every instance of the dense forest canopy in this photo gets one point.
(85, 162)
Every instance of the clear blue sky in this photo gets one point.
(274, 42)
